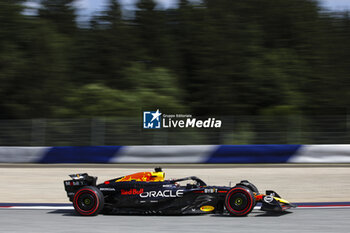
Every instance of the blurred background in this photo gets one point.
(81, 72)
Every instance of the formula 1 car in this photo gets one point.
(150, 193)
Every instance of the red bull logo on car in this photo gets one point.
(131, 192)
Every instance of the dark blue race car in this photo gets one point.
(150, 193)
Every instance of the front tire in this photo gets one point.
(88, 201)
(239, 201)
(249, 185)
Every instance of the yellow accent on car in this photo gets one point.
(158, 176)
(207, 208)
(143, 176)
(281, 200)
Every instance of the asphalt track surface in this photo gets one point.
(297, 220)
(44, 184)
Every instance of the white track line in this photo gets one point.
(72, 208)
(39, 207)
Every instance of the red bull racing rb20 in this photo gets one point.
(150, 193)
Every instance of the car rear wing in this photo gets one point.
(78, 180)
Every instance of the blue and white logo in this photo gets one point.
(151, 120)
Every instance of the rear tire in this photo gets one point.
(88, 201)
(239, 201)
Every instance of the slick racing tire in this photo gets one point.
(249, 185)
(239, 201)
(88, 201)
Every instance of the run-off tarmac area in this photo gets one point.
(296, 220)
(44, 184)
